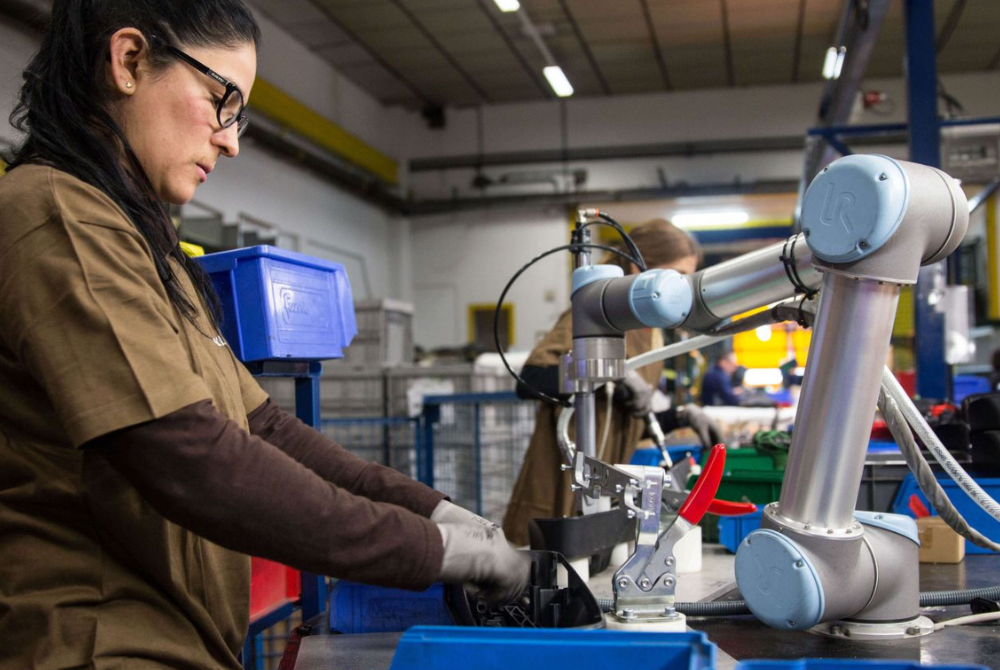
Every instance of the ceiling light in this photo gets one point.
(693, 219)
(508, 5)
(834, 62)
(558, 81)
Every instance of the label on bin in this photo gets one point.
(303, 306)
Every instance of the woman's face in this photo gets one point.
(169, 117)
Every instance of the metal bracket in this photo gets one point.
(644, 587)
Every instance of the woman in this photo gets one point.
(139, 461)
(542, 490)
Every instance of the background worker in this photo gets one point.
(717, 386)
(139, 461)
(542, 490)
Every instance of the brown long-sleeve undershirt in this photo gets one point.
(286, 493)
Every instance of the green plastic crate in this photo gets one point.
(756, 486)
(745, 459)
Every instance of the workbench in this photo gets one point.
(742, 637)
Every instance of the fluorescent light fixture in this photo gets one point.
(834, 62)
(764, 333)
(762, 377)
(508, 5)
(558, 81)
(694, 219)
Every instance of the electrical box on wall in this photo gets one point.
(971, 153)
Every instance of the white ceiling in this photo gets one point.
(466, 52)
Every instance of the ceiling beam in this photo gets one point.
(948, 29)
(686, 149)
(799, 30)
(586, 47)
(431, 207)
(473, 84)
(514, 50)
(396, 74)
(656, 45)
(728, 43)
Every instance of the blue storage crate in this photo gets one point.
(278, 304)
(732, 529)
(973, 513)
(447, 648)
(970, 384)
(360, 608)
(831, 664)
(651, 455)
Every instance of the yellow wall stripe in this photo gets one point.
(282, 108)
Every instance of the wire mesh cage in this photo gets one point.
(476, 443)
(390, 441)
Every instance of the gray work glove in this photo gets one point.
(447, 512)
(694, 417)
(634, 394)
(480, 556)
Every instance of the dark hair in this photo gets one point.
(660, 243)
(64, 109)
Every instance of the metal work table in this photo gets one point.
(743, 637)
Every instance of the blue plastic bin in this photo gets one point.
(831, 664)
(360, 608)
(278, 304)
(973, 513)
(651, 456)
(968, 385)
(447, 648)
(732, 529)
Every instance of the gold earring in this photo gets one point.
(128, 84)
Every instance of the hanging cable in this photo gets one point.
(641, 263)
(496, 313)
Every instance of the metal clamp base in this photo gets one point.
(916, 627)
(673, 623)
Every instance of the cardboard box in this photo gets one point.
(938, 542)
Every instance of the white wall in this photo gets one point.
(314, 216)
(488, 246)
(760, 112)
(299, 72)
(467, 258)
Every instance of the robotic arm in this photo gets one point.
(869, 223)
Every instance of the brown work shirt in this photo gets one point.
(90, 575)
(542, 490)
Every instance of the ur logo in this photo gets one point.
(768, 578)
(837, 207)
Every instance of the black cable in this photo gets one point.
(496, 314)
(787, 259)
(641, 263)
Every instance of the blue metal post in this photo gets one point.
(477, 454)
(314, 589)
(933, 374)
(425, 456)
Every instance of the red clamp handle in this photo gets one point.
(729, 508)
(704, 489)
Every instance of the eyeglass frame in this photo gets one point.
(240, 118)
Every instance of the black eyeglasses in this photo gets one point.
(230, 107)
